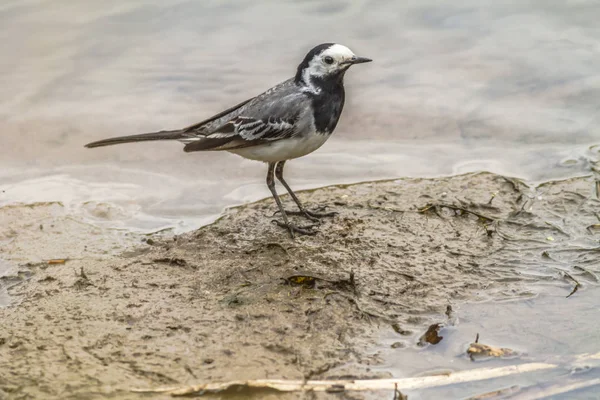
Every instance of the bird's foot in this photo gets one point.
(292, 229)
(315, 215)
(318, 213)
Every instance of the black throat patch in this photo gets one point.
(328, 102)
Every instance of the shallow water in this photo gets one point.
(525, 326)
(510, 87)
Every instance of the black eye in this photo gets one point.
(328, 60)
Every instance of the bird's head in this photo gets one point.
(327, 62)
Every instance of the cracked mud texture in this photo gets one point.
(239, 300)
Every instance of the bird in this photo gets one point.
(288, 121)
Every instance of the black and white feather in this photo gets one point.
(287, 121)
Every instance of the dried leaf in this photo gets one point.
(432, 335)
(301, 280)
(479, 351)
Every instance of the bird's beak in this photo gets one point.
(357, 60)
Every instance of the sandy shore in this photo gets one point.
(239, 300)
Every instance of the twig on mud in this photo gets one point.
(434, 207)
(461, 254)
(489, 232)
(577, 284)
(587, 272)
(358, 307)
(429, 207)
(362, 311)
(321, 370)
(171, 261)
(391, 209)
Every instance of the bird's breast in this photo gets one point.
(284, 149)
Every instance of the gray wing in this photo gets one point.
(278, 113)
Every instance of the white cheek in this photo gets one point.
(316, 68)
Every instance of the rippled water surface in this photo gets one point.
(511, 87)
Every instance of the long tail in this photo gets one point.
(162, 135)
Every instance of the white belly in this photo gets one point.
(285, 149)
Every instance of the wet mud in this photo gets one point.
(238, 299)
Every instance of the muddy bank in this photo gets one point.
(239, 300)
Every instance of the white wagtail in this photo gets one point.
(287, 121)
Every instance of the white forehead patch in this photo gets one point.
(338, 52)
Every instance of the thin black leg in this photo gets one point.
(286, 223)
(312, 215)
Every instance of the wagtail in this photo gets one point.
(288, 121)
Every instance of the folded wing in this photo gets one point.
(242, 132)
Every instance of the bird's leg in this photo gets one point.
(304, 230)
(312, 215)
